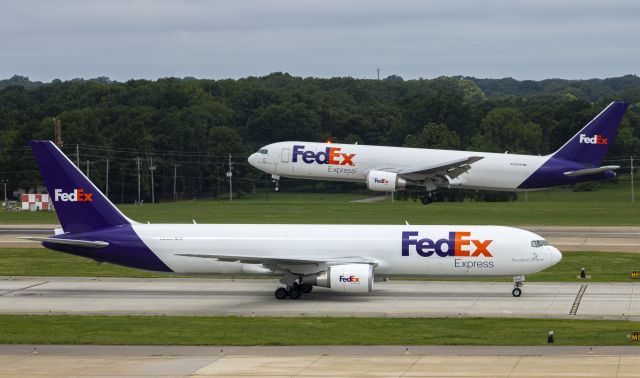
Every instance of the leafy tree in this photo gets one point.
(503, 129)
(434, 135)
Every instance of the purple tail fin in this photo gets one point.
(80, 206)
(589, 146)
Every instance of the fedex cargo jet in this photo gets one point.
(396, 168)
(343, 258)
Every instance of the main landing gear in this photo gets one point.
(294, 287)
(518, 281)
(294, 291)
(430, 197)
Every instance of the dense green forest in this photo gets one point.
(190, 126)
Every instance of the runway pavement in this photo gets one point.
(565, 238)
(322, 361)
(254, 297)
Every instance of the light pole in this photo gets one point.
(152, 168)
(5, 182)
(230, 176)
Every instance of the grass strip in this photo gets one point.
(178, 330)
(601, 266)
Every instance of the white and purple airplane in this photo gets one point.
(343, 258)
(389, 169)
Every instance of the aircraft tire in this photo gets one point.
(306, 288)
(295, 293)
(281, 293)
(516, 292)
(425, 200)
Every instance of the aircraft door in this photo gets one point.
(285, 167)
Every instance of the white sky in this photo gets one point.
(124, 39)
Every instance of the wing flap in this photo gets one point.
(74, 242)
(591, 171)
(452, 168)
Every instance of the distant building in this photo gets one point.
(33, 202)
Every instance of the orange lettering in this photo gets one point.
(481, 248)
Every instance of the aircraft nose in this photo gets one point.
(556, 256)
(252, 159)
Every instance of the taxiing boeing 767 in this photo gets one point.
(396, 168)
(344, 258)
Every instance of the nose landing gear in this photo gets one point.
(518, 281)
(276, 181)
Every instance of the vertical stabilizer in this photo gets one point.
(80, 206)
(589, 146)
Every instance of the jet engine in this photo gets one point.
(348, 278)
(381, 181)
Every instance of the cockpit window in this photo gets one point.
(539, 243)
(263, 151)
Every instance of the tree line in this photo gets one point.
(189, 126)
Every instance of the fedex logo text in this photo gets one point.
(349, 279)
(458, 244)
(331, 156)
(596, 139)
(78, 195)
(381, 181)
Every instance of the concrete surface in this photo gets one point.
(62, 295)
(580, 238)
(384, 361)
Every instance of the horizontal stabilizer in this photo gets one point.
(591, 171)
(78, 243)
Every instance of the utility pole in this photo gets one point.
(175, 175)
(152, 168)
(88, 168)
(78, 155)
(218, 181)
(57, 124)
(378, 70)
(106, 186)
(138, 169)
(633, 194)
(121, 185)
(230, 176)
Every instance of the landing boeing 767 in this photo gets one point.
(343, 258)
(396, 168)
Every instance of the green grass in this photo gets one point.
(43, 262)
(602, 266)
(180, 330)
(610, 205)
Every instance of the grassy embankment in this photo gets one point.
(609, 206)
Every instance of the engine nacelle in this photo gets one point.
(348, 278)
(381, 181)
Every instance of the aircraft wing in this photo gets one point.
(291, 260)
(451, 169)
(591, 171)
